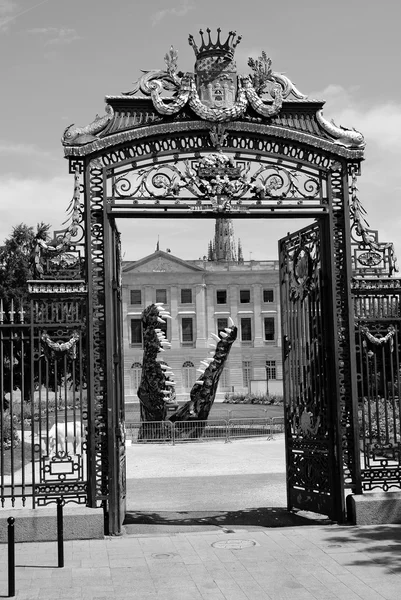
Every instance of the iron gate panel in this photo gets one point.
(42, 386)
(378, 347)
(307, 372)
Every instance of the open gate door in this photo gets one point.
(309, 368)
(115, 380)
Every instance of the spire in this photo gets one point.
(157, 245)
(210, 251)
(223, 243)
(240, 255)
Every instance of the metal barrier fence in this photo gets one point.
(202, 431)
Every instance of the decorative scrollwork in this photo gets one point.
(60, 257)
(368, 251)
(214, 177)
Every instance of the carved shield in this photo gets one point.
(217, 81)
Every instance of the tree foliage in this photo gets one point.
(17, 261)
(16, 268)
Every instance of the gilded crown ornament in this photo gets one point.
(209, 49)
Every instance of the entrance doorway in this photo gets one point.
(257, 149)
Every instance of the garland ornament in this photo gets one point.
(62, 346)
(379, 341)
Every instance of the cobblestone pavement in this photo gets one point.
(303, 563)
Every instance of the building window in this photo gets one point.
(136, 332)
(224, 382)
(245, 296)
(246, 373)
(246, 329)
(136, 372)
(161, 296)
(187, 326)
(269, 329)
(268, 295)
(186, 296)
(222, 324)
(188, 374)
(221, 296)
(136, 296)
(271, 372)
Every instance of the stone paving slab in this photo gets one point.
(290, 563)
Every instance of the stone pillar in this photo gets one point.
(148, 295)
(257, 314)
(210, 320)
(200, 307)
(175, 331)
(233, 304)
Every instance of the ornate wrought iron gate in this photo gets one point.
(314, 480)
(378, 351)
(43, 391)
(216, 144)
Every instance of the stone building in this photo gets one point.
(200, 296)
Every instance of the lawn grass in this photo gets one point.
(17, 458)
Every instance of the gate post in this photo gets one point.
(345, 417)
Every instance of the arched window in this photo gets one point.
(188, 374)
(136, 371)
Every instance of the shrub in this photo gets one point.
(23, 412)
(9, 432)
(239, 398)
(381, 427)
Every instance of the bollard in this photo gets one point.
(11, 557)
(60, 533)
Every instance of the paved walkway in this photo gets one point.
(213, 555)
(303, 563)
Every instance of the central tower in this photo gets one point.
(223, 247)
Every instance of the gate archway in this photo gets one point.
(213, 145)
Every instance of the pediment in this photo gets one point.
(160, 262)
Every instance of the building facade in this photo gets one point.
(200, 296)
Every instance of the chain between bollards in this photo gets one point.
(11, 557)
(60, 533)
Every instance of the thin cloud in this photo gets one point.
(8, 8)
(44, 199)
(176, 11)
(9, 12)
(380, 124)
(56, 35)
(7, 148)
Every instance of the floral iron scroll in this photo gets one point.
(213, 177)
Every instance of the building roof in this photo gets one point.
(160, 262)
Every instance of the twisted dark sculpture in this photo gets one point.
(157, 385)
(196, 411)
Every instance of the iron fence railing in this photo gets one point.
(202, 431)
(43, 406)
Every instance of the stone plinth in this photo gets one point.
(40, 525)
(376, 508)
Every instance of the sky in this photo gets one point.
(58, 60)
